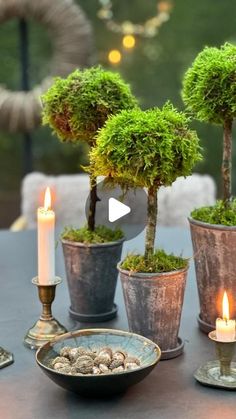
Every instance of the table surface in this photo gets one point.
(170, 391)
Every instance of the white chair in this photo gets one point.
(71, 191)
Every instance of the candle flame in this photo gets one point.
(47, 199)
(225, 306)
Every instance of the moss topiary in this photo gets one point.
(209, 93)
(158, 262)
(76, 107)
(217, 214)
(101, 234)
(146, 149)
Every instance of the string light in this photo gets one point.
(130, 30)
(147, 29)
(129, 41)
(114, 56)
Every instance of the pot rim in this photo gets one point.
(80, 244)
(151, 275)
(211, 226)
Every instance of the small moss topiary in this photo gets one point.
(158, 262)
(76, 107)
(217, 214)
(146, 149)
(101, 234)
(209, 93)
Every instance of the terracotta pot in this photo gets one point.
(91, 271)
(214, 249)
(154, 305)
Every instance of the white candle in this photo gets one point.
(225, 328)
(46, 241)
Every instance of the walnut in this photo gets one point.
(91, 354)
(131, 363)
(65, 351)
(96, 370)
(58, 366)
(105, 351)
(82, 351)
(74, 354)
(118, 369)
(66, 369)
(103, 368)
(131, 366)
(131, 360)
(116, 363)
(103, 359)
(84, 364)
(118, 355)
(60, 359)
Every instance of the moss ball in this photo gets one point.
(76, 107)
(209, 86)
(146, 148)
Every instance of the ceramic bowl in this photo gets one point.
(100, 385)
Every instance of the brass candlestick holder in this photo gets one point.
(6, 358)
(47, 327)
(220, 373)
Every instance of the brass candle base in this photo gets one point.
(47, 327)
(6, 358)
(221, 373)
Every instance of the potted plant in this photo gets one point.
(150, 149)
(209, 93)
(76, 108)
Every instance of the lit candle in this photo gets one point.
(225, 328)
(46, 241)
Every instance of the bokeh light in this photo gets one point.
(129, 41)
(114, 56)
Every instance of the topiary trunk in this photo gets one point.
(227, 161)
(151, 222)
(93, 202)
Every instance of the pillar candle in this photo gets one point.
(46, 241)
(225, 328)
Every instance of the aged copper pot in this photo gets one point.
(154, 305)
(91, 271)
(214, 249)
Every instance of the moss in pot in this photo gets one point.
(76, 108)
(150, 149)
(209, 93)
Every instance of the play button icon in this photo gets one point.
(117, 210)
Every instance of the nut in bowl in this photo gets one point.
(98, 362)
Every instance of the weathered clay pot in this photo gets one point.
(214, 249)
(154, 305)
(91, 271)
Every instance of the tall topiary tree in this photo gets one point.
(209, 93)
(146, 149)
(76, 107)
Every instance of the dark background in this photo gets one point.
(154, 68)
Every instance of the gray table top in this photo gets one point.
(170, 391)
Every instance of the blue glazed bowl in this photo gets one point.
(100, 385)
